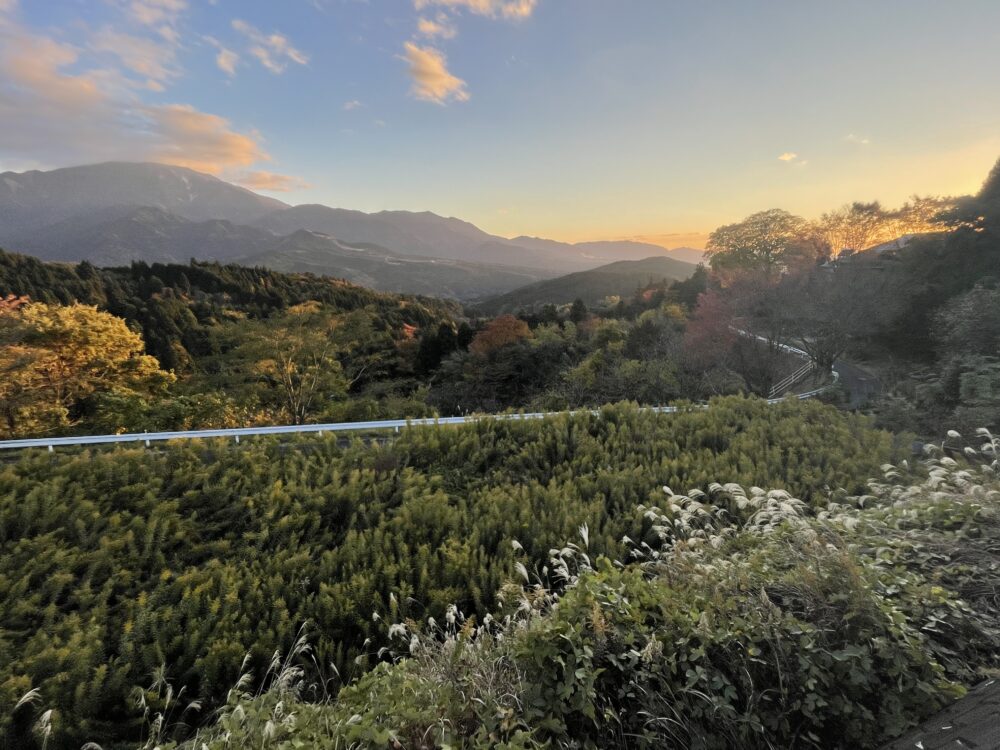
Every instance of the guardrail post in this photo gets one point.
(237, 439)
(51, 449)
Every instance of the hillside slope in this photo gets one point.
(615, 279)
(373, 266)
(121, 234)
(175, 306)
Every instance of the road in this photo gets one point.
(971, 722)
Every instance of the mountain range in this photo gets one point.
(117, 212)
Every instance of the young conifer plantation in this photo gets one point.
(124, 570)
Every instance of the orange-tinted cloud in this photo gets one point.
(226, 59)
(271, 181)
(154, 12)
(52, 105)
(201, 141)
(432, 81)
(439, 27)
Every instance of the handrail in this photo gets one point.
(792, 379)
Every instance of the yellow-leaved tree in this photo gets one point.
(53, 358)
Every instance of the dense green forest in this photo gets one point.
(121, 564)
(239, 346)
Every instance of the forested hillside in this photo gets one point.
(169, 300)
(615, 280)
(240, 346)
(937, 337)
(123, 568)
(245, 345)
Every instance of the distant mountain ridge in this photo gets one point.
(620, 278)
(115, 236)
(372, 266)
(30, 200)
(116, 212)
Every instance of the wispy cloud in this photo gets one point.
(159, 16)
(511, 9)
(352, 104)
(155, 12)
(150, 59)
(202, 141)
(861, 140)
(226, 60)
(271, 181)
(274, 51)
(432, 81)
(792, 158)
(436, 28)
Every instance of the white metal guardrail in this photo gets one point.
(394, 425)
(791, 380)
(374, 426)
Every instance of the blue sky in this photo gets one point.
(573, 119)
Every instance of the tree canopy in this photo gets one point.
(768, 242)
(53, 358)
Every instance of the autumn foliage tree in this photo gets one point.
(53, 358)
(768, 243)
(859, 226)
(500, 332)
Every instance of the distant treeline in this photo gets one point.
(174, 304)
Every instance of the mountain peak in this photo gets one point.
(31, 200)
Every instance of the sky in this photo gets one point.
(570, 119)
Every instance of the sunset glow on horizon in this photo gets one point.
(585, 120)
